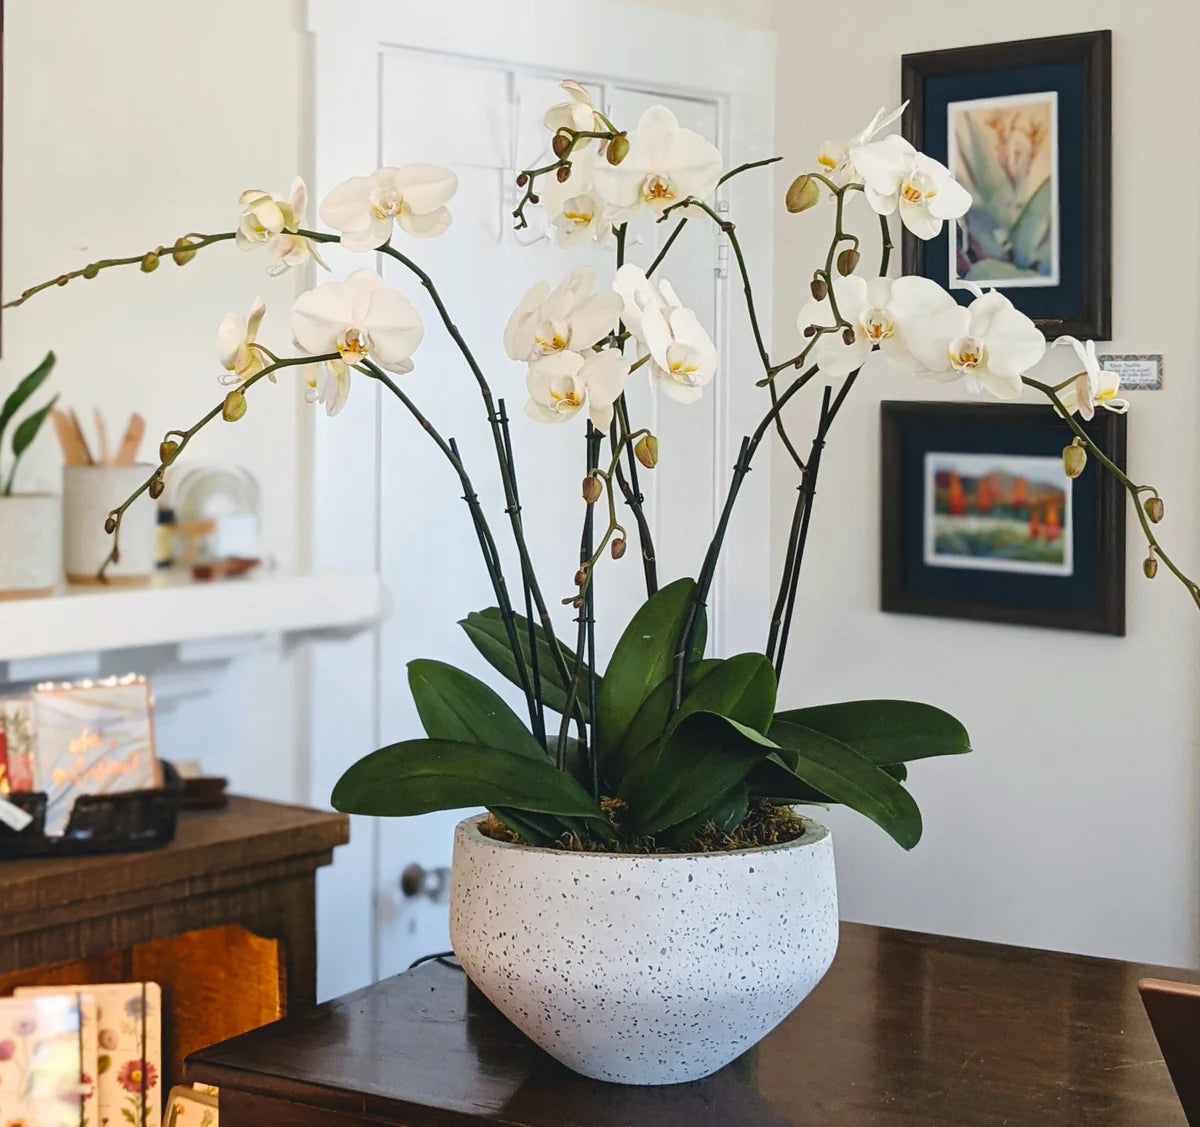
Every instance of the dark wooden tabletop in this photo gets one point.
(905, 1029)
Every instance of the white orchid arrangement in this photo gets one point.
(670, 749)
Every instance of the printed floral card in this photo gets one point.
(43, 1079)
(91, 738)
(191, 1107)
(129, 1061)
(16, 720)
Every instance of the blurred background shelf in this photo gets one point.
(175, 609)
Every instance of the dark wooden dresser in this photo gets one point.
(905, 1030)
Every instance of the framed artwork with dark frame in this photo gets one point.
(981, 521)
(1025, 127)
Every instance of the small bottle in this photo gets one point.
(167, 541)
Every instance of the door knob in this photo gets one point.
(416, 880)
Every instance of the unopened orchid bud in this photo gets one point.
(150, 262)
(579, 578)
(646, 451)
(847, 262)
(577, 602)
(1074, 459)
(848, 335)
(522, 179)
(591, 489)
(534, 198)
(1150, 565)
(183, 251)
(91, 270)
(61, 280)
(818, 289)
(110, 525)
(803, 194)
(617, 547)
(1154, 509)
(234, 407)
(617, 149)
(560, 144)
(810, 330)
(563, 174)
(157, 485)
(167, 451)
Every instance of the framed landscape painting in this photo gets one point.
(981, 521)
(1024, 127)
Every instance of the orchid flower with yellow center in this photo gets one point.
(273, 222)
(834, 156)
(569, 317)
(992, 345)
(1094, 386)
(240, 356)
(897, 177)
(573, 208)
(562, 384)
(414, 197)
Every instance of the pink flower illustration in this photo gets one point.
(7, 1048)
(136, 1075)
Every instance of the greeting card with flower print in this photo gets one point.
(92, 738)
(47, 1046)
(129, 1061)
(191, 1107)
(16, 720)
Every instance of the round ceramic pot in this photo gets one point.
(90, 493)
(30, 543)
(644, 969)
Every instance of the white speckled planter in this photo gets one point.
(644, 969)
(30, 543)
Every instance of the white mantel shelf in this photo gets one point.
(177, 609)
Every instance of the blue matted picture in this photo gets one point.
(1024, 127)
(980, 519)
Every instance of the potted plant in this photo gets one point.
(644, 897)
(30, 523)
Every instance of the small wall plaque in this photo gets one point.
(1143, 372)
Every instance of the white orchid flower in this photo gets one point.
(834, 156)
(236, 348)
(577, 113)
(896, 176)
(683, 358)
(569, 318)
(364, 208)
(665, 164)
(908, 319)
(574, 210)
(272, 222)
(562, 383)
(358, 318)
(328, 383)
(994, 346)
(1094, 386)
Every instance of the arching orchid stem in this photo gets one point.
(1131, 487)
(487, 543)
(182, 438)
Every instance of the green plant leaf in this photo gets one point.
(836, 770)
(704, 758)
(23, 436)
(643, 659)
(23, 391)
(453, 705)
(726, 814)
(421, 776)
(486, 631)
(885, 731)
(898, 771)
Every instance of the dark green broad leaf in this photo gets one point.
(740, 687)
(453, 705)
(726, 814)
(23, 390)
(705, 758)
(487, 634)
(837, 771)
(28, 429)
(885, 731)
(421, 776)
(643, 659)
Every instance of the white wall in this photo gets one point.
(1075, 823)
(125, 125)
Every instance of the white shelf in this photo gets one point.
(177, 609)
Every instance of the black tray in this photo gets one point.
(100, 823)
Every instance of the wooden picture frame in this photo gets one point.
(1061, 278)
(926, 570)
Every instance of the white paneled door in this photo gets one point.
(469, 94)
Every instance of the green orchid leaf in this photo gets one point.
(421, 776)
(643, 659)
(898, 771)
(486, 631)
(726, 814)
(453, 705)
(775, 781)
(23, 390)
(704, 758)
(837, 771)
(885, 731)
